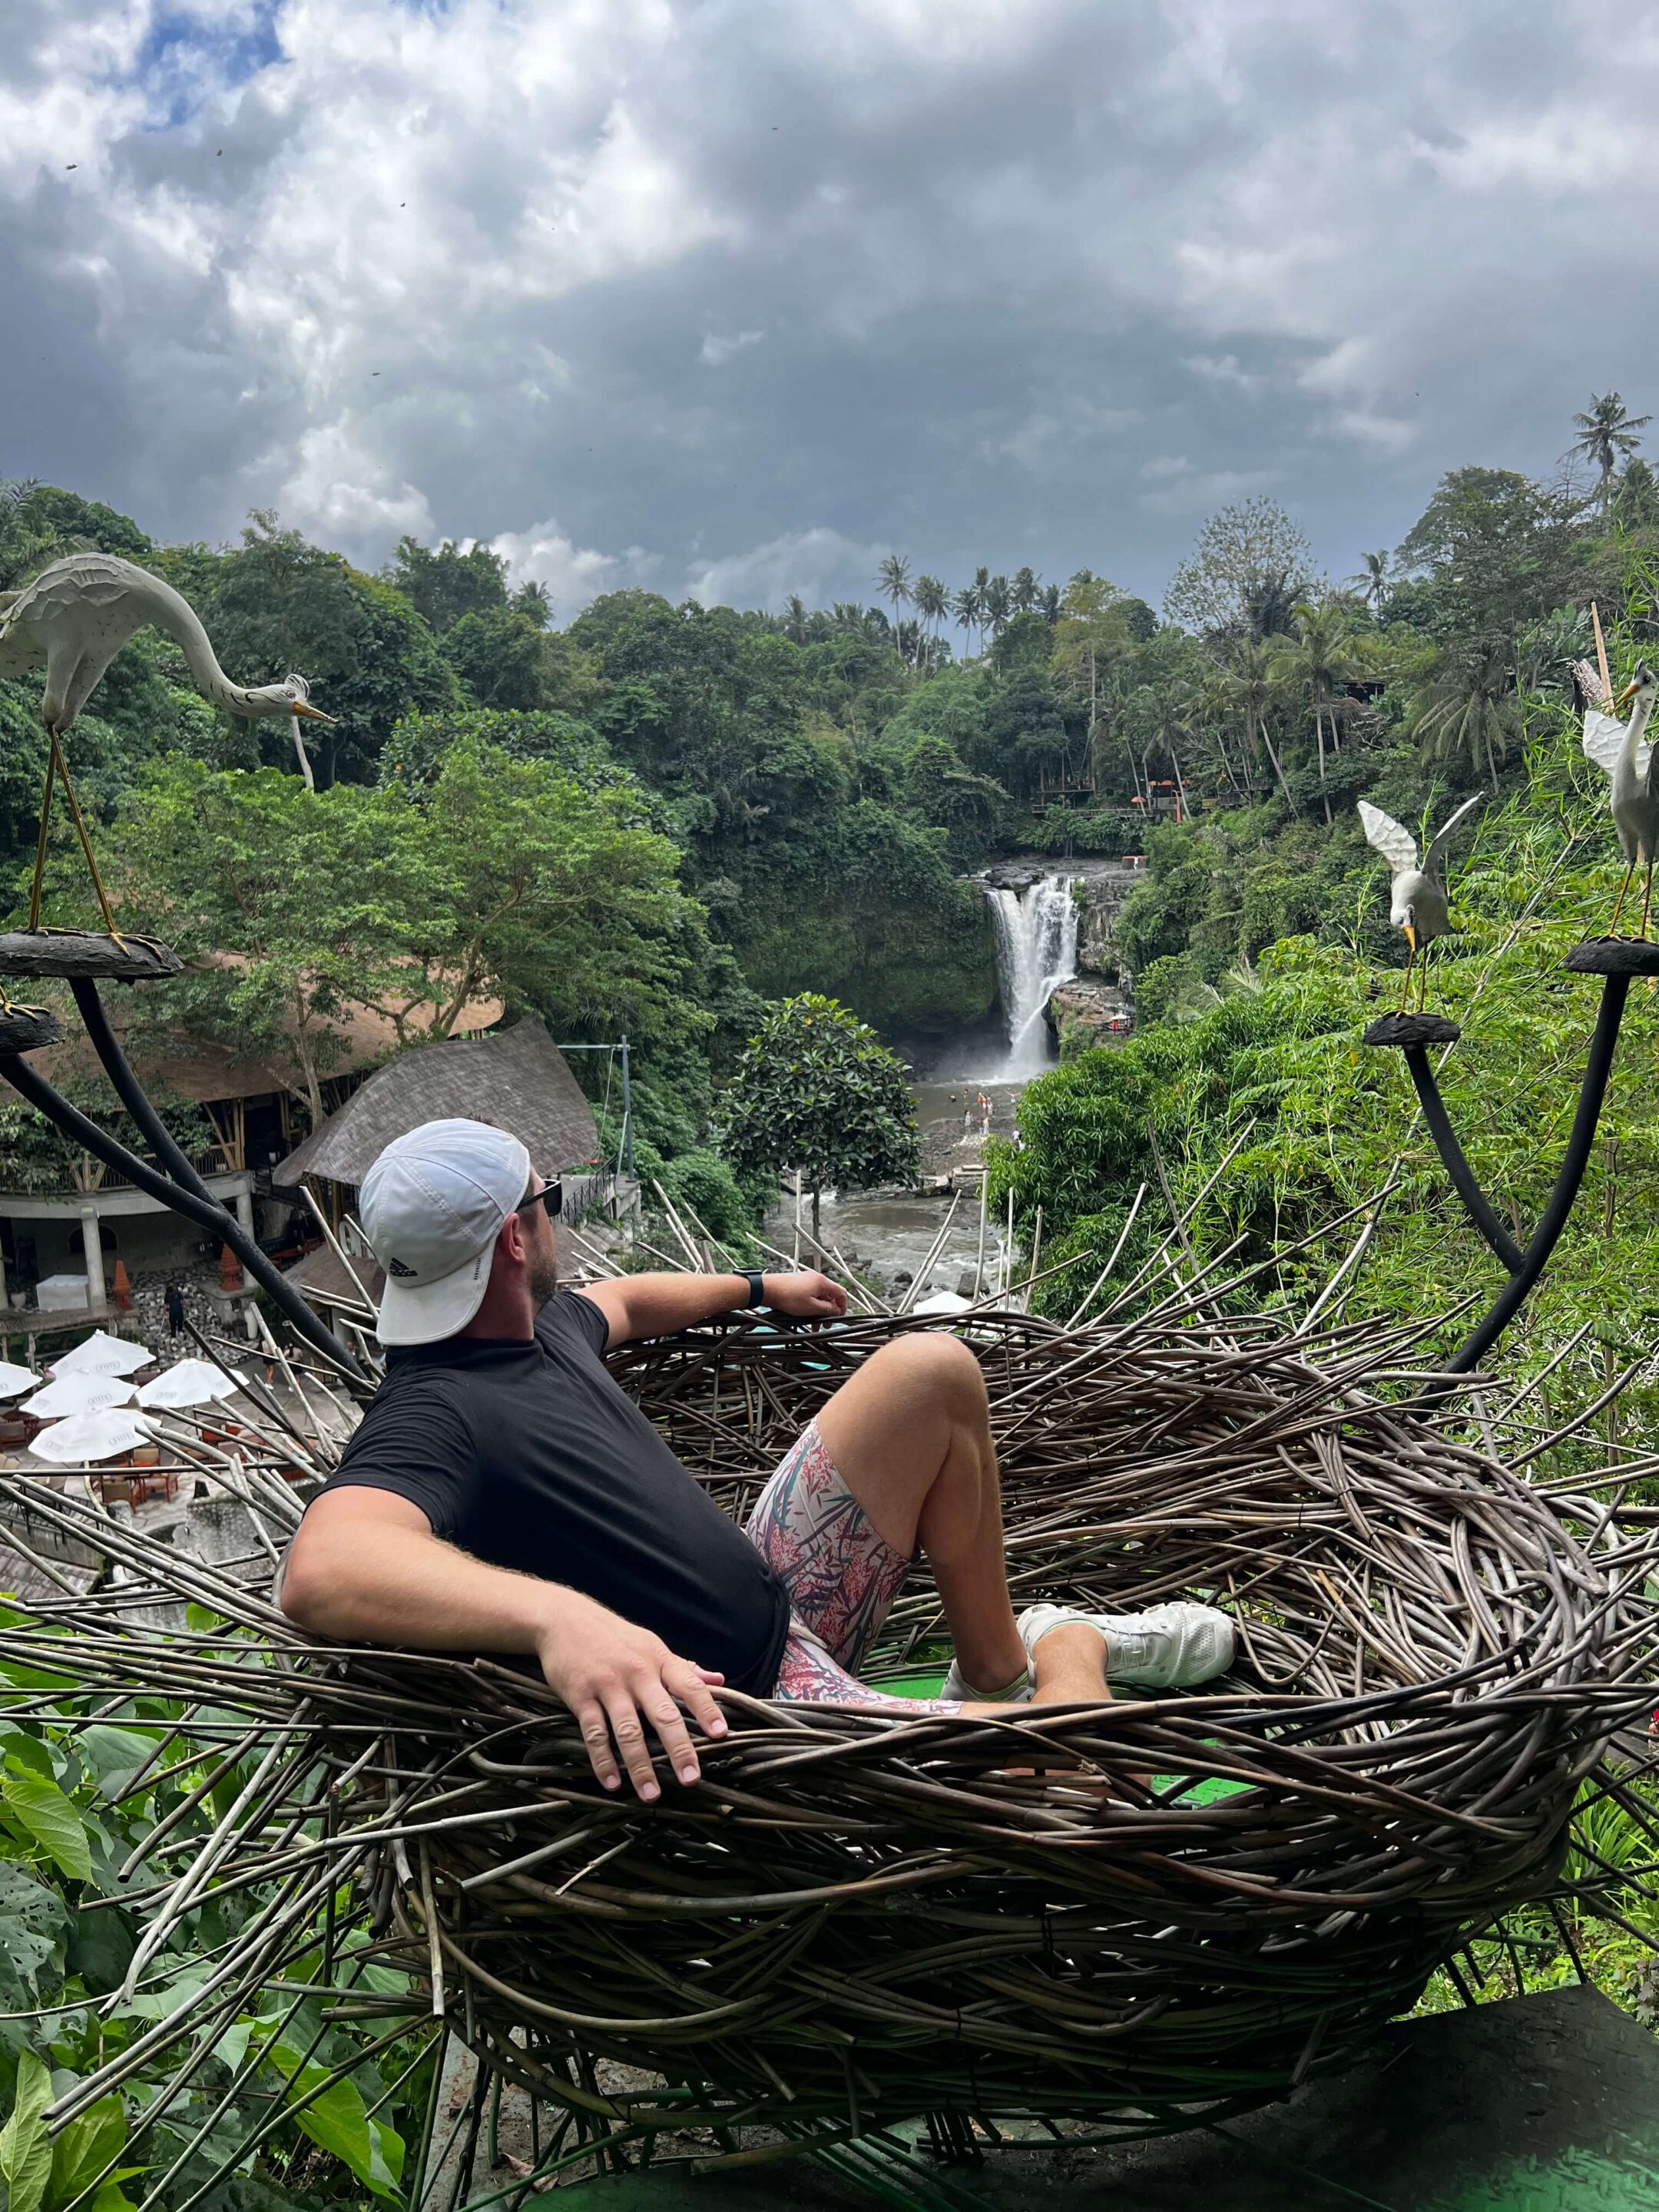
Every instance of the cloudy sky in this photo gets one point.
(735, 295)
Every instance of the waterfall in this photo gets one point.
(1036, 949)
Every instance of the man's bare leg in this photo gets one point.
(911, 1436)
(1068, 1668)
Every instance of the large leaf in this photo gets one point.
(41, 1808)
(32, 1924)
(114, 1755)
(86, 2148)
(338, 2122)
(25, 2148)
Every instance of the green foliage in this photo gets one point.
(499, 877)
(444, 585)
(816, 1091)
(498, 658)
(277, 604)
(295, 2101)
(25, 2146)
(1270, 1061)
(416, 750)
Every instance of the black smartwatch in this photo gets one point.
(756, 1287)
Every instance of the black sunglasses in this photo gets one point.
(552, 1197)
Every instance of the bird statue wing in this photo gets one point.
(1431, 858)
(1384, 835)
(20, 649)
(1604, 739)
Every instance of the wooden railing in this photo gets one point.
(92, 1176)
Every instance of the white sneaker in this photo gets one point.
(1169, 1647)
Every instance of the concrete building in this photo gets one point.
(63, 1228)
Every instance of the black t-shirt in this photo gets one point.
(529, 1455)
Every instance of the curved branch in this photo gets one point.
(208, 1213)
(1597, 1069)
(1456, 1165)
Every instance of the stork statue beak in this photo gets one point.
(1629, 692)
(303, 706)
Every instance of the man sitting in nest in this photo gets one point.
(504, 1494)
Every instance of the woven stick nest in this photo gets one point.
(1139, 1916)
(1149, 1911)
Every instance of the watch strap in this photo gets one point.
(756, 1287)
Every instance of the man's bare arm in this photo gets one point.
(660, 1305)
(366, 1568)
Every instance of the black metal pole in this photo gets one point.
(1598, 1067)
(206, 1211)
(131, 1092)
(1456, 1165)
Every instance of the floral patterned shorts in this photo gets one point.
(842, 1577)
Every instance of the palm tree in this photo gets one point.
(893, 581)
(1370, 583)
(1250, 685)
(1608, 430)
(1316, 665)
(998, 604)
(1049, 605)
(964, 604)
(795, 618)
(1024, 592)
(1466, 704)
(981, 585)
(931, 600)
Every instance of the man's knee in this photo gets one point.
(938, 1365)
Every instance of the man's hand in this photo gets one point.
(366, 1568)
(613, 1675)
(807, 1295)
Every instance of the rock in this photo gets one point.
(965, 1284)
(903, 1279)
(1098, 1011)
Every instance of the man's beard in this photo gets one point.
(543, 1279)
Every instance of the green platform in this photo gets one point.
(1545, 2104)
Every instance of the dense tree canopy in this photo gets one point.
(815, 1091)
(811, 786)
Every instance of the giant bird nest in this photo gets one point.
(1137, 1915)
(1170, 1906)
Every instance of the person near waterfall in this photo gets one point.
(503, 1494)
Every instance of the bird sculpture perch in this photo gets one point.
(1619, 750)
(76, 615)
(1417, 904)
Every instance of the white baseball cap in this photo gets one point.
(432, 1207)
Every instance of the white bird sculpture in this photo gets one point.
(1619, 751)
(1418, 904)
(76, 615)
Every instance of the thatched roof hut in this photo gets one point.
(517, 1079)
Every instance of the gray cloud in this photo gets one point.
(730, 297)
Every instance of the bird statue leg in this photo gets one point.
(1423, 980)
(41, 842)
(86, 845)
(56, 763)
(1647, 901)
(1410, 961)
(1612, 926)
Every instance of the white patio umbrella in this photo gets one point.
(189, 1382)
(14, 1380)
(102, 1354)
(68, 1396)
(90, 1438)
